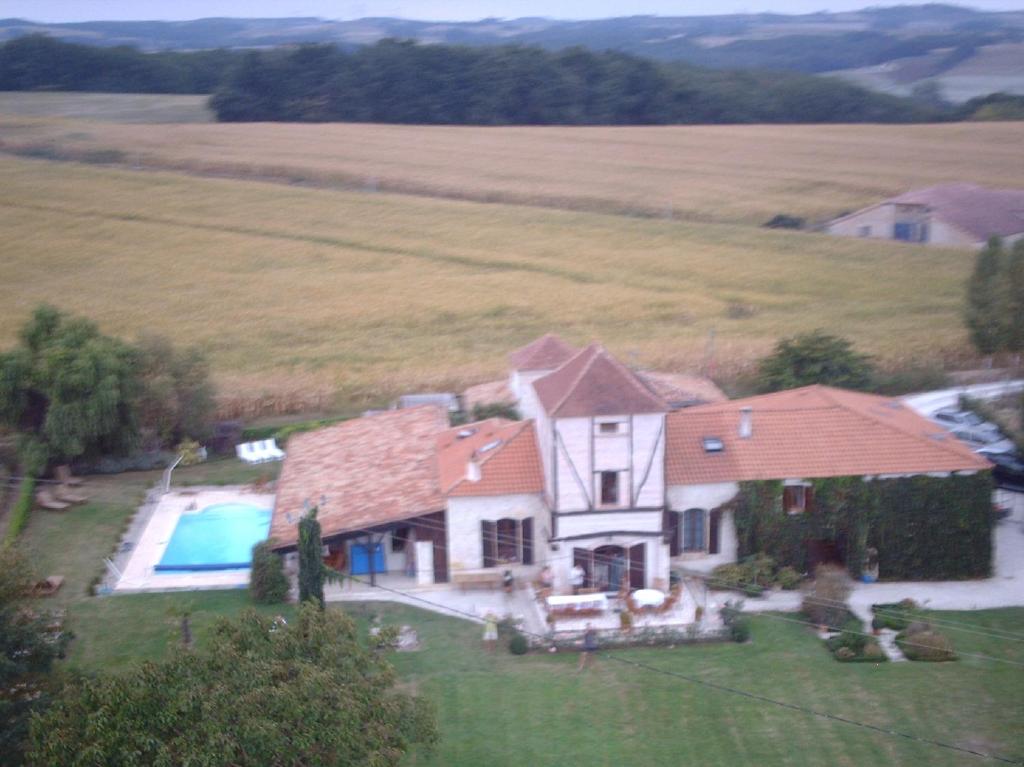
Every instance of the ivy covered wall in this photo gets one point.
(924, 528)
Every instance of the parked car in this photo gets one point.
(981, 439)
(1008, 469)
(952, 418)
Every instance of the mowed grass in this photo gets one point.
(286, 286)
(732, 173)
(506, 710)
(108, 107)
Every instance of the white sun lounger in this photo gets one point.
(271, 450)
(259, 452)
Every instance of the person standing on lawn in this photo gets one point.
(589, 646)
(490, 632)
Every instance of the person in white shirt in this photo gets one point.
(576, 576)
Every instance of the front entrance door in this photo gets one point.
(610, 567)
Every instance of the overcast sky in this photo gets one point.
(450, 10)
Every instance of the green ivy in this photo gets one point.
(924, 528)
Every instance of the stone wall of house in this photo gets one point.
(465, 540)
(707, 497)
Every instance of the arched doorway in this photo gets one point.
(610, 567)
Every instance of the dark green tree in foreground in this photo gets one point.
(814, 358)
(312, 570)
(28, 649)
(67, 390)
(312, 692)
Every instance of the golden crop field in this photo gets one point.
(731, 173)
(368, 294)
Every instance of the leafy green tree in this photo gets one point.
(986, 309)
(27, 651)
(312, 570)
(814, 358)
(256, 693)
(267, 582)
(67, 389)
(1015, 298)
(176, 396)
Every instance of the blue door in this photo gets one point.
(361, 559)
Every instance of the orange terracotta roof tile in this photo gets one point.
(546, 353)
(505, 452)
(815, 431)
(371, 470)
(595, 383)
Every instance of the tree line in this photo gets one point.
(405, 82)
(995, 298)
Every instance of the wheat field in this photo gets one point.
(736, 174)
(369, 294)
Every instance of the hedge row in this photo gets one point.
(924, 528)
(20, 512)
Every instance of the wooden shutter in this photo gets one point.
(714, 523)
(488, 535)
(788, 498)
(528, 541)
(808, 499)
(670, 526)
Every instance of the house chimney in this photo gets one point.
(473, 470)
(746, 423)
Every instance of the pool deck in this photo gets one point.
(138, 574)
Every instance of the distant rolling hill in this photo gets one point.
(964, 51)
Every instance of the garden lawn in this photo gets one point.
(536, 710)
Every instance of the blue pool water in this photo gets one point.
(220, 537)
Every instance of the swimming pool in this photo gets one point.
(220, 537)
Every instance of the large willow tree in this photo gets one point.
(67, 390)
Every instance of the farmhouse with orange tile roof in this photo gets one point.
(626, 474)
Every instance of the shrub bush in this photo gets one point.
(784, 221)
(925, 645)
(736, 622)
(788, 578)
(824, 601)
(893, 615)
(21, 510)
(267, 582)
(845, 654)
(518, 645)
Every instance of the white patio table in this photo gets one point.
(578, 602)
(648, 597)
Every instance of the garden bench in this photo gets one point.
(477, 580)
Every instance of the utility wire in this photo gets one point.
(726, 584)
(735, 690)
